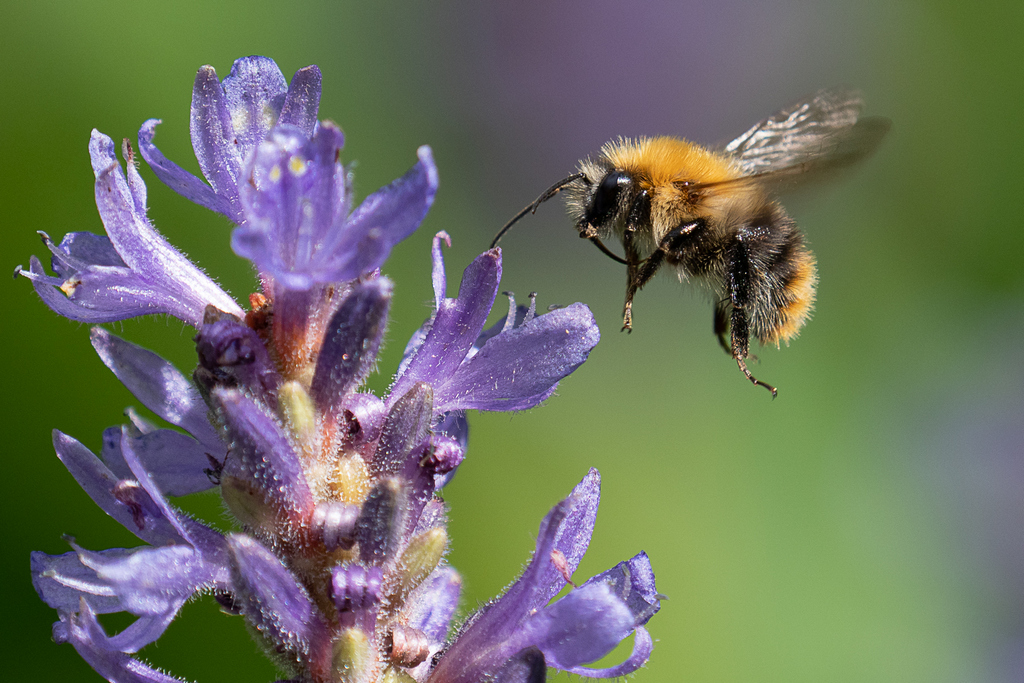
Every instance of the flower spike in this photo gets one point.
(336, 555)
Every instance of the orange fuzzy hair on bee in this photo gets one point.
(664, 160)
(798, 296)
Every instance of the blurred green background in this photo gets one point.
(865, 526)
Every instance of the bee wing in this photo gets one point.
(820, 133)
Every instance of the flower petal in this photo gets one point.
(302, 102)
(89, 639)
(139, 514)
(178, 179)
(254, 92)
(643, 645)
(177, 463)
(138, 274)
(520, 367)
(62, 581)
(153, 581)
(582, 627)
(185, 289)
(272, 599)
(213, 139)
(350, 344)
(79, 250)
(159, 385)
(632, 582)
(432, 605)
(455, 327)
(387, 217)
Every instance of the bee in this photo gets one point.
(711, 213)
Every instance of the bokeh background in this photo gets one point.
(865, 526)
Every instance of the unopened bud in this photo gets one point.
(422, 557)
(377, 525)
(298, 410)
(352, 656)
(334, 524)
(351, 479)
(407, 646)
(396, 675)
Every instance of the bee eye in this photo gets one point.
(606, 197)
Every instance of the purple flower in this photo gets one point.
(229, 120)
(520, 628)
(133, 270)
(337, 556)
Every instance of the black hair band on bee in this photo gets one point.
(546, 195)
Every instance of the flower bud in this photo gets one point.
(298, 410)
(421, 557)
(352, 656)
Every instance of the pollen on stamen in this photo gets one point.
(70, 285)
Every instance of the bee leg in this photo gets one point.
(741, 346)
(739, 283)
(632, 266)
(639, 273)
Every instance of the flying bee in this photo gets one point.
(712, 213)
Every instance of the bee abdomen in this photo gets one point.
(780, 276)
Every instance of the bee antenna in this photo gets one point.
(532, 208)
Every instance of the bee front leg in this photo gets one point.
(632, 268)
(639, 273)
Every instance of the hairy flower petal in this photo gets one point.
(84, 632)
(520, 367)
(149, 276)
(302, 101)
(159, 385)
(350, 345)
(455, 326)
(272, 599)
(153, 581)
(62, 581)
(387, 217)
(178, 463)
(178, 179)
(140, 515)
(186, 290)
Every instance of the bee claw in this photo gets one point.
(743, 366)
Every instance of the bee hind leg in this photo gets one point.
(740, 338)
